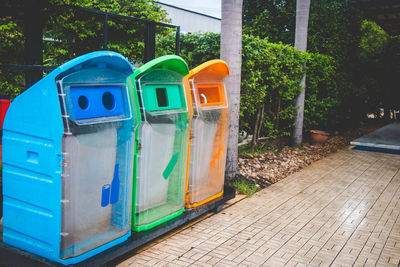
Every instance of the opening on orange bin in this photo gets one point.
(210, 95)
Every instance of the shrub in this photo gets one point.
(322, 95)
(271, 75)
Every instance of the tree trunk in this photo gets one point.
(261, 121)
(254, 140)
(278, 113)
(386, 113)
(302, 12)
(231, 52)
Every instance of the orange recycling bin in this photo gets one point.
(209, 133)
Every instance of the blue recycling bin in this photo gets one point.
(67, 160)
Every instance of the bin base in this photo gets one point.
(207, 201)
(12, 256)
(148, 226)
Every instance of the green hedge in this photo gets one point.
(322, 93)
(271, 75)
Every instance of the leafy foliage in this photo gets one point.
(270, 19)
(76, 32)
(378, 72)
(362, 56)
(195, 48)
(372, 45)
(333, 30)
(334, 26)
(271, 76)
(322, 93)
(11, 43)
(373, 41)
(70, 32)
(391, 74)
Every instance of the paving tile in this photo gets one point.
(343, 210)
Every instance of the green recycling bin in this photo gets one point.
(163, 142)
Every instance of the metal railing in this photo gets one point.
(33, 72)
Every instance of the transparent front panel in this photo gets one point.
(163, 145)
(97, 159)
(209, 137)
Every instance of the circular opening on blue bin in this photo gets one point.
(83, 102)
(108, 101)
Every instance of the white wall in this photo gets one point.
(192, 22)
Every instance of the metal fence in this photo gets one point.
(33, 35)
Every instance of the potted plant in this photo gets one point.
(318, 137)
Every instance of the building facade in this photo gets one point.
(191, 21)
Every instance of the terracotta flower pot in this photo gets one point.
(318, 137)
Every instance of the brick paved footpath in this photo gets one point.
(340, 211)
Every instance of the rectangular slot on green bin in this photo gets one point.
(162, 97)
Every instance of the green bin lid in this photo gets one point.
(169, 62)
(159, 95)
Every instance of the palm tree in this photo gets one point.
(302, 12)
(231, 52)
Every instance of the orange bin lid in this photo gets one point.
(216, 65)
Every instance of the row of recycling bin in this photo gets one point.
(96, 149)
